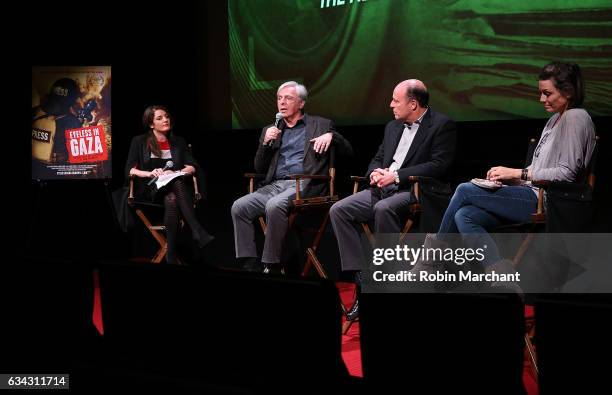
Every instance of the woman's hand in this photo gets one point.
(156, 173)
(500, 173)
(189, 170)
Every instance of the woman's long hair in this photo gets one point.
(147, 120)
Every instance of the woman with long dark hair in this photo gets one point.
(149, 156)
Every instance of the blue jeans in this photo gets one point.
(478, 210)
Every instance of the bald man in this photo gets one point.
(419, 142)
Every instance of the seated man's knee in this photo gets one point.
(382, 208)
(336, 210)
(275, 207)
(238, 208)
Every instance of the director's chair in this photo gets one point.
(156, 228)
(539, 221)
(419, 185)
(300, 205)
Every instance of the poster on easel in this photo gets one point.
(71, 122)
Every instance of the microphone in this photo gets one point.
(168, 165)
(278, 119)
(277, 123)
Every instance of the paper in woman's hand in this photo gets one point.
(164, 179)
(488, 184)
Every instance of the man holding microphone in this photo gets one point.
(298, 143)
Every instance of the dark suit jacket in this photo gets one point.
(431, 153)
(266, 158)
(140, 156)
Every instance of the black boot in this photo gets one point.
(273, 268)
(249, 264)
(172, 259)
(353, 313)
(202, 238)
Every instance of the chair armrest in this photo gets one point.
(131, 195)
(197, 196)
(434, 182)
(356, 181)
(423, 179)
(539, 215)
(298, 177)
(562, 186)
(317, 201)
(415, 181)
(559, 189)
(412, 179)
(252, 177)
(308, 177)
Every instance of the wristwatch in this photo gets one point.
(396, 178)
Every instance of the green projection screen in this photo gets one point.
(479, 58)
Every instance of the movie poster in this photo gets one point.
(71, 122)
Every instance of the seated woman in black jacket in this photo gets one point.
(148, 158)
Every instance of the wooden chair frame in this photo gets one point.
(301, 204)
(157, 229)
(415, 210)
(538, 221)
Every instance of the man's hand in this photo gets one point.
(272, 133)
(376, 175)
(387, 179)
(322, 143)
(500, 173)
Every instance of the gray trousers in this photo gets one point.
(346, 215)
(271, 200)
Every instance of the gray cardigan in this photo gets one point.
(564, 155)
